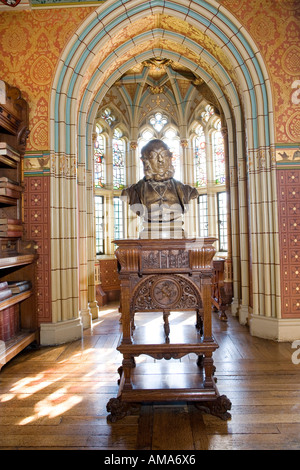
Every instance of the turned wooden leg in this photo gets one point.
(166, 325)
(209, 370)
(127, 365)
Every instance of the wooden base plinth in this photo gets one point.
(166, 383)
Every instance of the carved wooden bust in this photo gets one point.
(158, 198)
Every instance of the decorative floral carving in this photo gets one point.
(165, 291)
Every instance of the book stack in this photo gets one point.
(17, 287)
(5, 291)
(8, 155)
(11, 228)
(10, 188)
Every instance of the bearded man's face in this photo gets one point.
(158, 164)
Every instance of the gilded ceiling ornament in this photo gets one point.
(156, 90)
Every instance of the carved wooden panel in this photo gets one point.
(167, 292)
(156, 259)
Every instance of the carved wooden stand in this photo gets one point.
(165, 276)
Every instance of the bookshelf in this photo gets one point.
(18, 313)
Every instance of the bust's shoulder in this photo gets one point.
(188, 192)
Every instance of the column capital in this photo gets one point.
(133, 145)
(184, 143)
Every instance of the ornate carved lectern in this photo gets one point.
(164, 276)
(163, 271)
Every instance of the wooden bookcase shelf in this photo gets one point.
(15, 299)
(18, 312)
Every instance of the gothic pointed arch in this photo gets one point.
(217, 54)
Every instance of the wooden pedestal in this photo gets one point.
(165, 276)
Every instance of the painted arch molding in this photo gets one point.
(205, 37)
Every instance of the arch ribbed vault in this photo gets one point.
(204, 37)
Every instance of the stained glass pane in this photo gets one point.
(218, 157)
(99, 222)
(118, 163)
(99, 161)
(200, 158)
(222, 221)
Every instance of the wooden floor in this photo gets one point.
(55, 397)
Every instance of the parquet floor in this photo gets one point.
(55, 397)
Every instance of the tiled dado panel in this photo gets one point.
(37, 228)
(288, 188)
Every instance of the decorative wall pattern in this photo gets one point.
(288, 181)
(274, 26)
(31, 43)
(36, 218)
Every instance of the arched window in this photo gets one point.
(210, 177)
(118, 160)
(99, 159)
(109, 180)
(218, 154)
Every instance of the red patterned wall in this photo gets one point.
(289, 221)
(37, 228)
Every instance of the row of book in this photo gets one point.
(10, 288)
(11, 228)
(10, 188)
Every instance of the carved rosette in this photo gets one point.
(165, 292)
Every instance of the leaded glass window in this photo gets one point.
(118, 218)
(118, 160)
(200, 157)
(158, 121)
(99, 159)
(209, 171)
(203, 215)
(218, 155)
(99, 223)
(222, 221)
